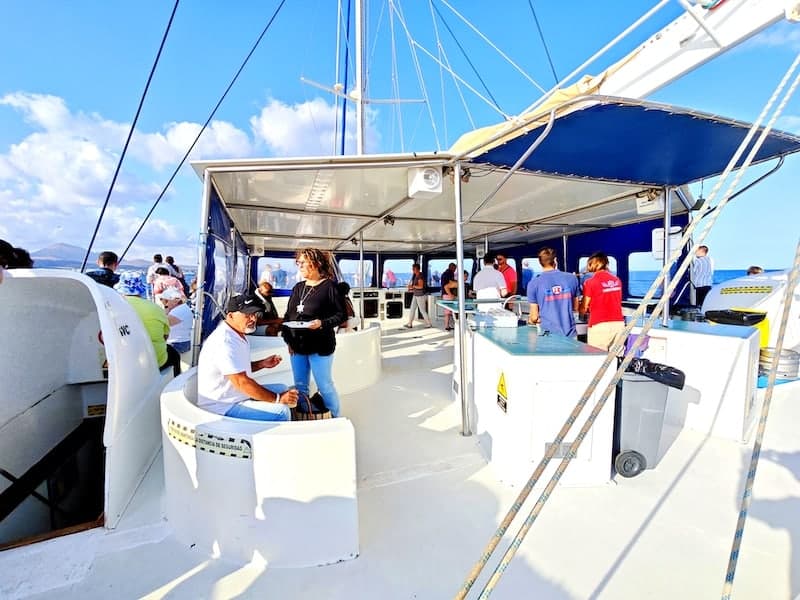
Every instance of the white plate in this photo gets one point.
(297, 324)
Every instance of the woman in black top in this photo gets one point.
(317, 302)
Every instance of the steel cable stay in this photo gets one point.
(203, 128)
(130, 135)
(412, 44)
(611, 357)
(442, 56)
(469, 62)
(507, 58)
(747, 493)
(544, 43)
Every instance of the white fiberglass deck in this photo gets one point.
(428, 503)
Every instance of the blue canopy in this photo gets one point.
(640, 143)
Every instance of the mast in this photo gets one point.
(360, 88)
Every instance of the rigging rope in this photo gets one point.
(611, 357)
(469, 62)
(442, 55)
(346, 67)
(337, 54)
(395, 6)
(416, 44)
(544, 43)
(205, 125)
(130, 135)
(747, 495)
(493, 46)
(396, 86)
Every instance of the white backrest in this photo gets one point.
(487, 294)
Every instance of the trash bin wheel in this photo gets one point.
(630, 463)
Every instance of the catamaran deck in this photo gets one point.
(428, 503)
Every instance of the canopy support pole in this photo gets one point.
(199, 295)
(461, 331)
(361, 279)
(667, 251)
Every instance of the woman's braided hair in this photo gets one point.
(320, 259)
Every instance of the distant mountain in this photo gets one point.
(60, 252)
(67, 256)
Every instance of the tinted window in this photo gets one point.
(280, 272)
(642, 271)
(396, 272)
(350, 269)
(439, 265)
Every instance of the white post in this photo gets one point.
(462, 321)
(667, 250)
(199, 295)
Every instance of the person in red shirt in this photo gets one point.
(602, 298)
(508, 272)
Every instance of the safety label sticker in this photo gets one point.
(502, 394)
(96, 410)
(747, 289)
(209, 442)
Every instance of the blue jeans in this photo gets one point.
(320, 367)
(255, 410)
(181, 347)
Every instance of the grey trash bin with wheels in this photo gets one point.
(641, 420)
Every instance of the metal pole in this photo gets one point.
(199, 296)
(564, 251)
(360, 90)
(462, 322)
(361, 278)
(667, 250)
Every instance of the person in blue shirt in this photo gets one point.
(553, 296)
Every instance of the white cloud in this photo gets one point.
(219, 140)
(54, 180)
(785, 35)
(789, 123)
(307, 128)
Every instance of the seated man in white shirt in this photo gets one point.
(489, 283)
(225, 383)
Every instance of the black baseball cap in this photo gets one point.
(245, 303)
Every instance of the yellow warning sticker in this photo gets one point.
(502, 394)
(501, 385)
(747, 289)
(209, 442)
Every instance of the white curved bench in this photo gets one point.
(357, 362)
(279, 493)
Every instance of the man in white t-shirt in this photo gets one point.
(225, 383)
(158, 262)
(180, 317)
(489, 278)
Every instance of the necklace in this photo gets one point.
(307, 290)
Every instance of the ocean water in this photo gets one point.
(640, 281)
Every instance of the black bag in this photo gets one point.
(669, 376)
(735, 317)
(310, 409)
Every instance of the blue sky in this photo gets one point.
(71, 75)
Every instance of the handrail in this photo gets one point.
(617, 347)
(747, 493)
